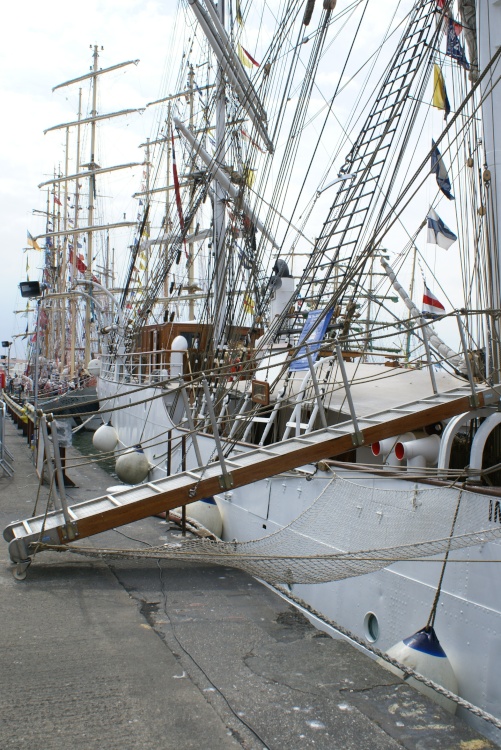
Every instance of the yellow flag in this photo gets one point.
(440, 99)
(248, 304)
(249, 176)
(32, 242)
(246, 58)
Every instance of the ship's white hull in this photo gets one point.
(400, 597)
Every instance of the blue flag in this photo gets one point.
(311, 339)
(454, 46)
(437, 167)
(438, 233)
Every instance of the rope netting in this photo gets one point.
(349, 530)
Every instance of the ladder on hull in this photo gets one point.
(132, 504)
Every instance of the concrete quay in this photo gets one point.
(130, 655)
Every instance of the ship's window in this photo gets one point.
(371, 627)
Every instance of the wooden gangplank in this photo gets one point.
(132, 504)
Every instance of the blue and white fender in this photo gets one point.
(423, 653)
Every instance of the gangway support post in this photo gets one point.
(357, 437)
(189, 419)
(225, 478)
(469, 371)
(316, 388)
(71, 526)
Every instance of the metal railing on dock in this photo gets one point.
(22, 414)
(5, 455)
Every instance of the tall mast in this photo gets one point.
(107, 278)
(166, 227)
(147, 247)
(489, 41)
(73, 304)
(92, 166)
(220, 300)
(56, 279)
(49, 262)
(64, 274)
(191, 270)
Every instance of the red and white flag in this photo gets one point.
(246, 57)
(432, 307)
(248, 138)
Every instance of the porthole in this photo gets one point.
(371, 627)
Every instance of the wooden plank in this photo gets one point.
(266, 466)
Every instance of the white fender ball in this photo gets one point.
(206, 513)
(105, 438)
(132, 467)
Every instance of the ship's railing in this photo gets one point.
(138, 368)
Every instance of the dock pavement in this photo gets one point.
(163, 655)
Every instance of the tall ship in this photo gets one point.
(69, 306)
(308, 326)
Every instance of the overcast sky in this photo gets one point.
(44, 44)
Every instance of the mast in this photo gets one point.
(489, 41)
(48, 262)
(107, 278)
(92, 193)
(73, 304)
(147, 248)
(65, 251)
(56, 279)
(220, 297)
(191, 270)
(167, 192)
